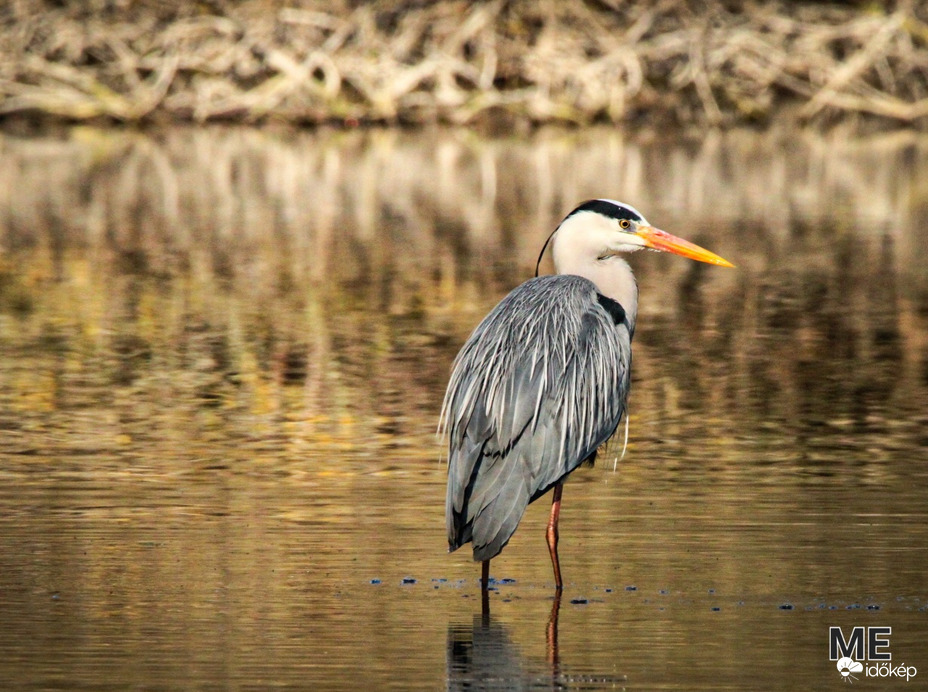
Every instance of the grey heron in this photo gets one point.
(543, 380)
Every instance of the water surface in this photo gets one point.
(222, 356)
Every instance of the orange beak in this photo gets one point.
(657, 239)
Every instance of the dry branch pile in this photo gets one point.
(416, 61)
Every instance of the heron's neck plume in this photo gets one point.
(612, 276)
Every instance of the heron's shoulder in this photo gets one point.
(558, 288)
(570, 282)
(555, 305)
(572, 293)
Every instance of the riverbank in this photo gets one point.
(504, 63)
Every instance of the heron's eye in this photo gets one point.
(624, 224)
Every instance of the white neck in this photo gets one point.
(612, 275)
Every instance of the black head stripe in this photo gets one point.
(607, 208)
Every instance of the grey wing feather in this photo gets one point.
(539, 385)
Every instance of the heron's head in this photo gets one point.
(600, 229)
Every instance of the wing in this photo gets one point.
(540, 384)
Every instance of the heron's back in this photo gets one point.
(538, 386)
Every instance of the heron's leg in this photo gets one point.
(551, 534)
(485, 594)
(551, 633)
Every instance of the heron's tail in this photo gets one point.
(488, 510)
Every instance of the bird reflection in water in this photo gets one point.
(481, 656)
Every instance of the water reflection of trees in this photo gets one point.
(317, 285)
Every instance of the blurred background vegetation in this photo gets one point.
(498, 62)
(201, 288)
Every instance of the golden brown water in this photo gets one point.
(222, 356)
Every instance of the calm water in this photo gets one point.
(222, 356)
